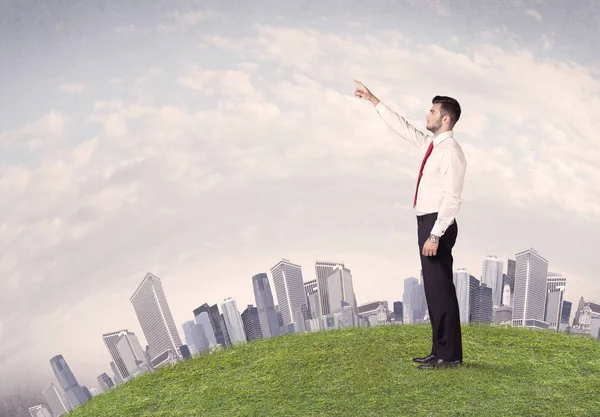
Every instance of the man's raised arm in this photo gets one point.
(398, 123)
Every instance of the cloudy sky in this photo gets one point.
(205, 141)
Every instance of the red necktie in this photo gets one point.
(421, 171)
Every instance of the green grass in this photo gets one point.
(368, 372)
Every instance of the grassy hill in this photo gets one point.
(368, 372)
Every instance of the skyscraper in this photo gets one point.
(481, 308)
(289, 287)
(491, 276)
(322, 270)
(233, 321)
(204, 329)
(104, 382)
(112, 339)
(218, 328)
(265, 306)
(73, 391)
(153, 313)
(531, 275)
(39, 411)
(340, 289)
(251, 322)
(410, 287)
(55, 397)
(465, 285)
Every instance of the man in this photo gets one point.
(436, 203)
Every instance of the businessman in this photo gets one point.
(437, 199)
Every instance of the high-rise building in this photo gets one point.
(104, 382)
(410, 287)
(233, 321)
(322, 271)
(398, 312)
(265, 306)
(74, 393)
(130, 343)
(531, 276)
(465, 285)
(251, 322)
(482, 308)
(491, 276)
(154, 315)
(555, 280)
(340, 289)
(39, 411)
(56, 400)
(218, 326)
(289, 287)
(511, 268)
(566, 312)
(204, 328)
(314, 304)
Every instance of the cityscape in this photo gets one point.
(522, 292)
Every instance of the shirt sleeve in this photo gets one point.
(401, 126)
(453, 167)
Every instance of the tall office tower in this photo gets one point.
(265, 305)
(104, 382)
(39, 411)
(67, 381)
(322, 270)
(56, 399)
(116, 373)
(218, 328)
(506, 293)
(289, 287)
(340, 289)
(555, 280)
(233, 321)
(132, 343)
(465, 285)
(398, 312)
(251, 323)
(204, 328)
(154, 315)
(491, 276)
(419, 301)
(410, 287)
(310, 286)
(482, 309)
(511, 267)
(566, 313)
(531, 275)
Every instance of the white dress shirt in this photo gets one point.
(441, 186)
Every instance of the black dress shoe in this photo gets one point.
(426, 359)
(440, 364)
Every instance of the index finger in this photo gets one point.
(359, 83)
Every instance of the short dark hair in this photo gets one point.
(448, 107)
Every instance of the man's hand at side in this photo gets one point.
(430, 248)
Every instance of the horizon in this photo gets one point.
(205, 143)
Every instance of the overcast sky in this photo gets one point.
(204, 142)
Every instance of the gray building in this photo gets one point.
(216, 323)
(131, 344)
(491, 276)
(251, 322)
(289, 287)
(56, 399)
(531, 275)
(398, 312)
(465, 285)
(410, 285)
(155, 318)
(105, 382)
(482, 308)
(265, 305)
(73, 391)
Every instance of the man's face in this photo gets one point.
(434, 118)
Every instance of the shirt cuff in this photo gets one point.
(438, 230)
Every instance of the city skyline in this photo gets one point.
(187, 141)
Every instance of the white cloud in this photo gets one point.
(49, 127)
(75, 89)
(534, 14)
(181, 20)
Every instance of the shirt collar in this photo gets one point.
(442, 137)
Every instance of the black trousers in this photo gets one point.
(440, 291)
